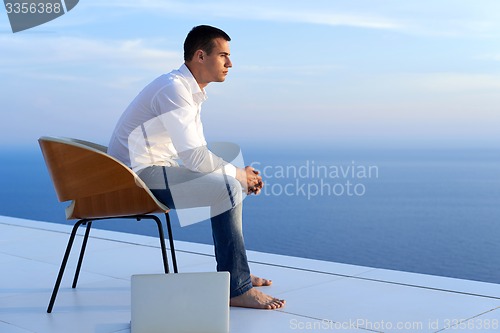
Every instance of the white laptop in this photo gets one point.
(182, 302)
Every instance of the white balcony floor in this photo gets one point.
(321, 296)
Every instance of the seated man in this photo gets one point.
(162, 126)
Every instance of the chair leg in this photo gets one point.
(171, 240)
(162, 240)
(88, 223)
(63, 265)
(82, 253)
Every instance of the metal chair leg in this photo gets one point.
(171, 240)
(88, 223)
(82, 253)
(162, 239)
(63, 265)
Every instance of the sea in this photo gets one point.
(430, 211)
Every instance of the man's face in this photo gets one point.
(217, 64)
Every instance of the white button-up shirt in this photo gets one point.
(162, 125)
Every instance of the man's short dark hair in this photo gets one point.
(202, 38)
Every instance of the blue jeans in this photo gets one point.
(179, 188)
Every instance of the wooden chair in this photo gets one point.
(100, 187)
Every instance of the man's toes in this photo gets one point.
(267, 282)
(279, 303)
(259, 282)
(275, 304)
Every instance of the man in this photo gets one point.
(162, 127)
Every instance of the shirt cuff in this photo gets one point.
(230, 170)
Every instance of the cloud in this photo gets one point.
(457, 82)
(489, 56)
(309, 69)
(324, 18)
(34, 51)
(429, 18)
(68, 85)
(284, 12)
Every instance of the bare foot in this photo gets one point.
(256, 299)
(259, 282)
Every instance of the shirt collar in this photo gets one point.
(199, 95)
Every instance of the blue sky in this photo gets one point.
(414, 73)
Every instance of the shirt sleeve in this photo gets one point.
(178, 114)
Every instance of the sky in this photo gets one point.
(359, 73)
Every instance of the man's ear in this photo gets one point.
(199, 55)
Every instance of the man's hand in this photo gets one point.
(250, 180)
(258, 187)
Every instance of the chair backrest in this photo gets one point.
(98, 184)
(97, 146)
